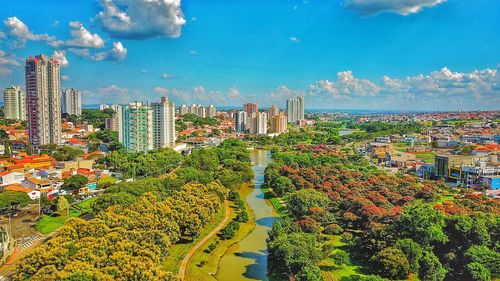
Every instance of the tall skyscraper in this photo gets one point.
(240, 121)
(273, 111)
(72, 102)
(211, 111)
(43, 100)
(163, 123)
(279, 124)
(183, 109)
(295, 109)
(257, 123)
(137, 127)
(250, 108)
(14, 102)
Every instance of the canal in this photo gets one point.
(247, 260)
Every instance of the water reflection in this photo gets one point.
(247, 260)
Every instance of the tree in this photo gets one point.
(75, 182)
(309, 273)
(391, 263)
(283, 185)
(13, 199)
(431, 268)
(63, 206)
(413, 252)
(300, 202)
(490, 258)
(478, 272)
(340, 257)
(422, 223)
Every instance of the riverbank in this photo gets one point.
(203, 265)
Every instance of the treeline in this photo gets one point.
(391, 224)
(135, 222)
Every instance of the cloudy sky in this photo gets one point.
(348, 54)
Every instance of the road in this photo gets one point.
(185, 261)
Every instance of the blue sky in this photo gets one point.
(351, 54)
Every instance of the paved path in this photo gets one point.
(185, 261)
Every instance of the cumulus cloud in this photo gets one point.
(282, 93)
(402, 7)
(346, 85)
(161, 91)
(65, 77)
(7, 62)
(61, 57)
(82, 37)
(118, 52)
(294, 39)
(441, 88)
(141, 19)
(20, 33)
(234, 93)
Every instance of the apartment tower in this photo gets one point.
(295, 109)
(43, 100)
(163, 123)
(14, 102)
(72, 102)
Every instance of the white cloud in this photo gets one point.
(234, 93)
(7, 62)
(65, 77)
(161, 91)
(193, 53)
(118, 52)
(282, 93)
(294, 39)
(402, 7)
(141, 19)
(442, 89)
(143, 71)
(166, 75)
(61, 57)
(345, 86)
(82, 38)
(20, 33)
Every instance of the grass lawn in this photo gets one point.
(400, 146)
(178, 251)
(275, 202)
(331, 272)
(202, 265)
(48, 224)
(427, 157)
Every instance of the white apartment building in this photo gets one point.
(14, 102)
(72, 102)
(163, 123)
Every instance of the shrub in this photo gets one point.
(333, 229)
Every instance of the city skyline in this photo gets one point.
(339, 55)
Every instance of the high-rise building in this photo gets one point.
(103, 106)
(14, 102)
(115, 122)
(72, 102)
(183, 109)
(211, 111)
(295, 109)
(43, 100)
(201, 112)
(279, 124)
(240, 121)
(163, 123)
(137, 127)
(257, 123)
(250, 108)
(273, 111)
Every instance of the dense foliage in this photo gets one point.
(398, 223)
(135, 222)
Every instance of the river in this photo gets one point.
(247, 260)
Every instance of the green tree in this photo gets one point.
(391, 263)
(283, 185)
(75, 182)
(63, 206)
(412, 251)
(478, 272)
(431, 268)
(301, 201)
(422, 223)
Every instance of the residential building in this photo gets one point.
(163, 123)
(14, 102)
(295, 109)
(278, 123)
(103, 106)
(450, 166)
(491, 182)
(72, 102)
(211, 111)
(43, 99)
(240, 123)
(137, 127)
(250, 108)
(183, 109)
(274, 110)
(257, 123)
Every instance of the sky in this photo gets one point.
(349, 54)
